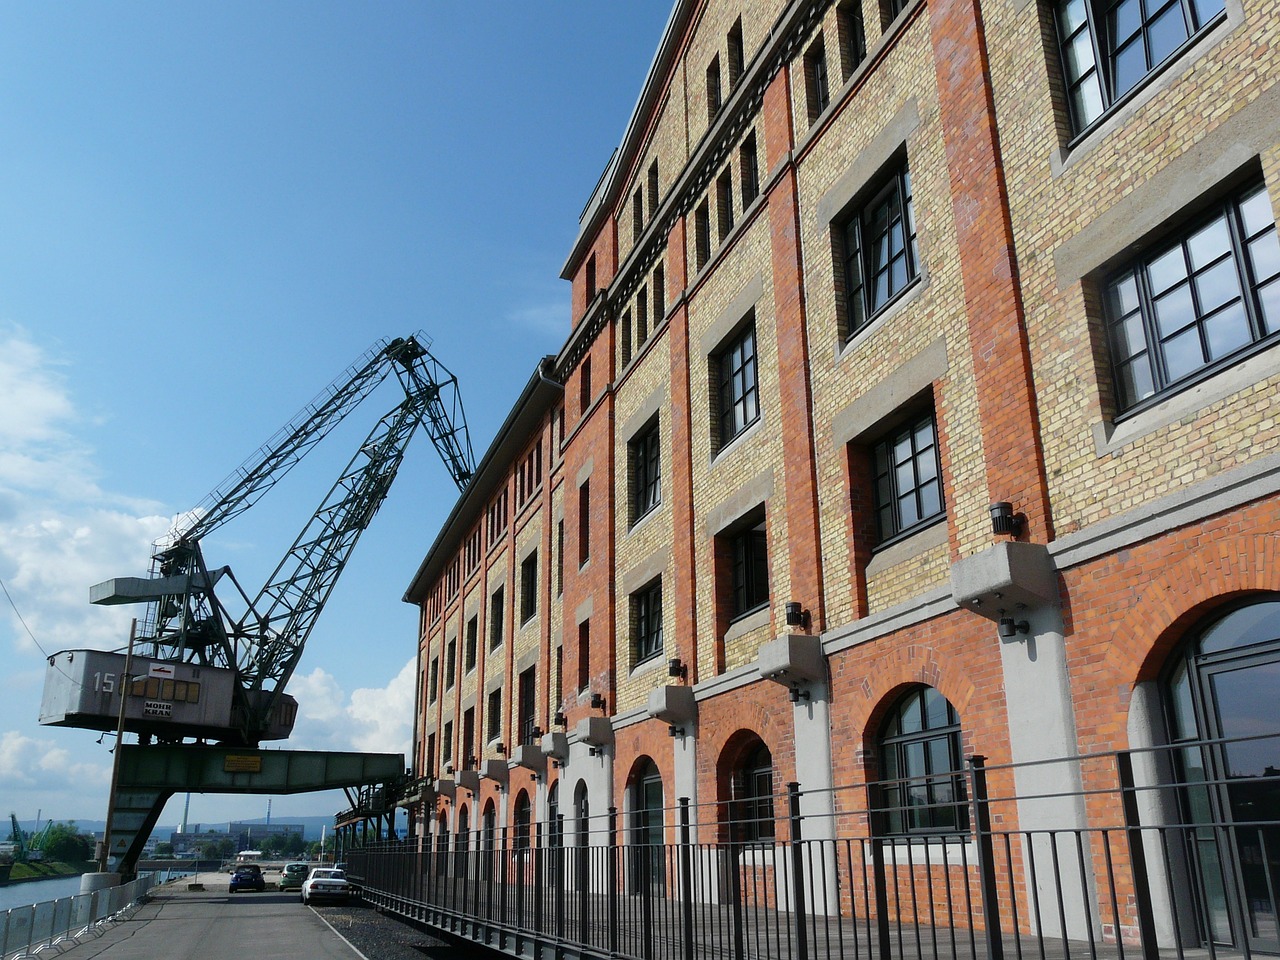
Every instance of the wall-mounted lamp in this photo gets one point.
(796, 694)
(598, 701)
(1011, 628)
(675, 731)
(677, 668)
(1004, 520)
(797, 616)
(555, 763)
(594, 751)
(500, 748)
(560, 719)
(535, 734)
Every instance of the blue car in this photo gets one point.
(247, 877)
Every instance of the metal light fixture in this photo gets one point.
(675, 731)
(1011, 628)
(797, 616)
(500, 747)
(677, 668)
(597, 701)
(796, 694)
(1004, 520)
(560, 719)
(535, 733)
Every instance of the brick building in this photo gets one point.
(917, 402)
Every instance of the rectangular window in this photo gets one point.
(713, 88)
(450, 664)
(642, 316)
(560, 558)
(702, 235)
(528, 706)
(473, 630)
(646, 617)
(467, 749)
(739, 401)
(653, 188)
(584, 522)
(584, 386)
(591, 279)
(493, 715)
(529, 587)
(815, 79)
(584, 655)
(1197, 301)
(433, 686)
(446, 744)
(908, 477)
(496, 606)
(749, 572)
(659, 294)
(879, 249)
(1102, 64)
(736, 54)
(431, 754)
(637, 215)
(626, 337)
(853, 38)
(646, 471)
(749, 170)
(724, 202)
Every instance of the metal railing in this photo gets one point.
(54, 924)
(1105, 856)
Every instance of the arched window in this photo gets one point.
(582, 815)
(488, 840)
(524, 820)
(462, 841)
(752, 808)
(646, 825)
(1222, 686)
(921, 766)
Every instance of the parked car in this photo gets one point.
(326, 883)
(293, 875)
(248, 876)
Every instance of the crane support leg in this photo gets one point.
(151, 774)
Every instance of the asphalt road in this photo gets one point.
(181, 924)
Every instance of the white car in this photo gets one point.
(326, 883)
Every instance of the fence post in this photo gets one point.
(644, 850)
(880, 887)
(611, 865)
(986, 857)
(1137, 857)
(559, 886)
(797, 872)
(538, 885)
(686, 882)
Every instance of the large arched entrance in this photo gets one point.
(1222, 700)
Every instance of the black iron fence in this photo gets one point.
(1160, 852)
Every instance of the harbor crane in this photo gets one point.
(198, 669)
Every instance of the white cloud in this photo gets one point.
(549, 318)
(372, 720)
(40, 767)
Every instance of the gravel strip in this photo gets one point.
(380, 936)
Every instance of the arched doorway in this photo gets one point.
(646, 804)
(488, 840)
(1223, 687)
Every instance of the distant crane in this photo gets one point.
(19, 845)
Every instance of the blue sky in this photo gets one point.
(210, 210)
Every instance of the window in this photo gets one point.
(646, 615)
(467, 749)
(493, 715)
(713, 88)
(749, 170)
(591, 278)
(450, 664)
(749, 568)
(529, 587)
(473, 630)
(879, 249)
(659, 295)
(626, 337)
(817, 89)
(753, 797)
(584, 655)
(642, 316)
(889, 10)
(431, 754)
(724, 202)
(736, 54)
(853, 38)
(1101, 64)
(584, 386)
(446, 745)
(433, 686)
(646, 471)
(920, 766)
(495, 619)
(653, 188)
(528, 706)
(1194, 303)
(637, 215)
(739, 390)
(560, 558)
(584, 522)
(908, 477)
(701, 235)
